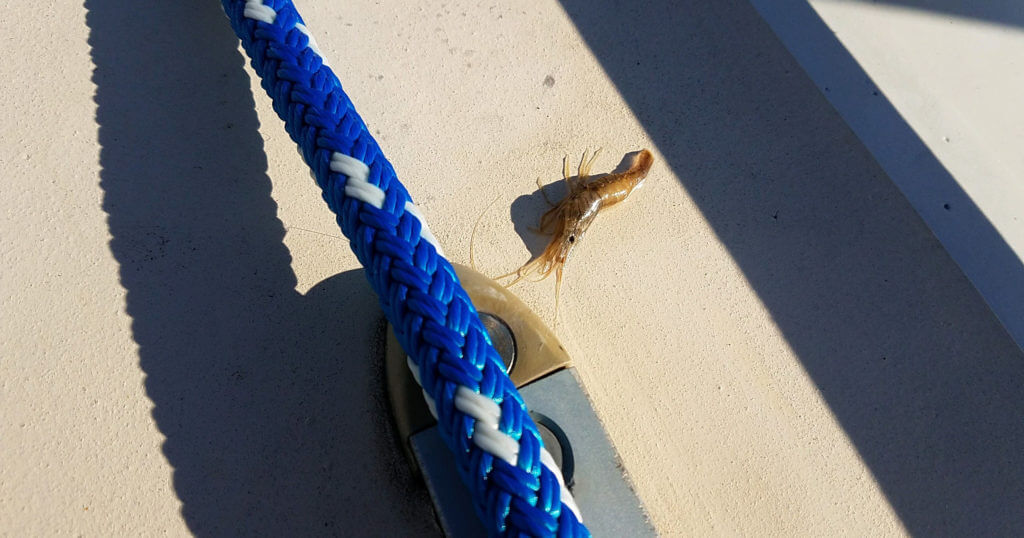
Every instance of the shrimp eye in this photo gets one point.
(572, 238)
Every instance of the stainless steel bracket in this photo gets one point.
(541, 369)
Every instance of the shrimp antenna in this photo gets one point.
(472, 236)
(558, 292)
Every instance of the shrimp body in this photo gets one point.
(568, 220)
(614, 188)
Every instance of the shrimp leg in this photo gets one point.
(584, 168)
(544, 193)
(547, 222)
(569, 183)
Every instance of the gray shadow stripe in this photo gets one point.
(271, 402)
(971, 239)
(917, 370)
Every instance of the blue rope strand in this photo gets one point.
(433, 317)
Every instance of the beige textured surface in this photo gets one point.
(775, 341)
(931, 88)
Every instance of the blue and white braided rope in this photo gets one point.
(517, 487)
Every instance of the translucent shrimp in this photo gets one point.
(567, 221)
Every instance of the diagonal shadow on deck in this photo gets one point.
(273, 410)
(922, 377)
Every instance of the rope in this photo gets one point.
(516, 485)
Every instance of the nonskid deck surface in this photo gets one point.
(773, 339)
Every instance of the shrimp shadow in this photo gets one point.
(525, 213)
(527, 210)
(912, 363)
(271, 402)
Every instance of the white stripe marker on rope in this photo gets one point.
(312, 42)
(357, 185)
(424, 229)
(488, 437)
(359, 188)
(254, 9)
